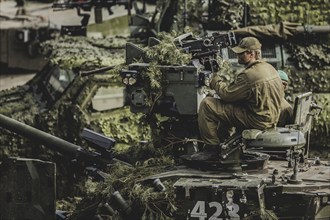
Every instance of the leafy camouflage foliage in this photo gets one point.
(314, 12)
(145, 200)
(85, 53)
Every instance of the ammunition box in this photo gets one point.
(219, 198)
(27, 189)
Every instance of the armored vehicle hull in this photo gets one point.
(20, 41)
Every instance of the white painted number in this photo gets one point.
(199, 210)
(218, 210)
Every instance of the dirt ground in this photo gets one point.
(9, 80)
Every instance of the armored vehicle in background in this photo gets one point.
(20, 37)
(63, 102)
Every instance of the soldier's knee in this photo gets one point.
(206, 103)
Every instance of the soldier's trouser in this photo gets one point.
(213, 113)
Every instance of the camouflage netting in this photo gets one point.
(227, 14)
(311, 72)
(12, 144)
(316, 12)
(85, 53)
(166, 52)
(125, 127)
(232, 14)
(144, 198)
(224, 14)
(311, 56)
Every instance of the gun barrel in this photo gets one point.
(39, 136)
(313, 29)
(100, 70)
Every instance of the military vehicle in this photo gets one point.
(208, 188)
(36, 172)
(21, 36)
(268, 189)
(53, 99)
(206, 193)
(83, 8)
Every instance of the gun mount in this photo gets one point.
(183, 90)
(183, 82)
(206, 49)
(180, 81)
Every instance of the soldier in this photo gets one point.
(253, 100)
(286, 116)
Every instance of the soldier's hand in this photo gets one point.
(215, 79)
(213, 94)
(210, 93)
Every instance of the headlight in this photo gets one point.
(129, 77)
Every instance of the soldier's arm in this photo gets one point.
(238, 90)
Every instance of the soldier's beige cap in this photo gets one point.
(247, 43)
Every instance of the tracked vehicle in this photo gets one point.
(261, 189)
(258, 188)
(246, 182)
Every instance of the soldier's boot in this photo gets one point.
(210, 153)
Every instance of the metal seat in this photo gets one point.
(279, 140)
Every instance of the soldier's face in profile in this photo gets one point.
(244, 57)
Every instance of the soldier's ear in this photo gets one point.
(285, 85)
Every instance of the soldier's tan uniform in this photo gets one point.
(253, 100)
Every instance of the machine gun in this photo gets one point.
(91, 160)
(182, 86)
(205, 49)
(87, 5)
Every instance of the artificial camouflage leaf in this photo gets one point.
(83, 53)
